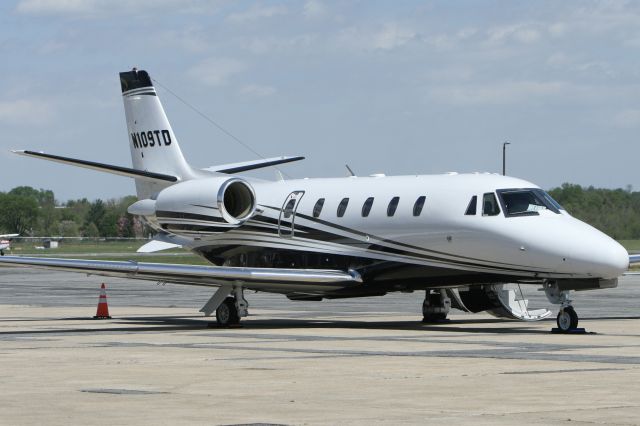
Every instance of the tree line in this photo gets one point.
(35, 212)
(616, 212)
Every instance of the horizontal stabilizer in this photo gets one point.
(116, 170)
(251, 165)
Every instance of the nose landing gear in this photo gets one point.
(567, 319)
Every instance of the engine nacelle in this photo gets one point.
(231, 199)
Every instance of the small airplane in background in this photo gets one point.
(5, 242)
(470, 241)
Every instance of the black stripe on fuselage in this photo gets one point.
(165, 214)
(388, 241)
(465, 261)
(314, 234)
(172, 227)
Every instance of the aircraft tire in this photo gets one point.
(227, 313)
(567, 319)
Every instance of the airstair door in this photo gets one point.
(286, 221)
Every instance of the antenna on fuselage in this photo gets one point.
(350, 171)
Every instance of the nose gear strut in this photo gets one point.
(567, 319)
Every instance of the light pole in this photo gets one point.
(504, 158)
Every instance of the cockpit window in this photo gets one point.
(526, 202)
(550, 199)
(471, 208)
(490, 205)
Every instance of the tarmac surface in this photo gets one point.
(354, 361)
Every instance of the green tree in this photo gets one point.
(18, 213)
(91, 230)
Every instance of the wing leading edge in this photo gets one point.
(251, 278)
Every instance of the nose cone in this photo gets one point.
(569, 246)
(610, 260)
(596, 254)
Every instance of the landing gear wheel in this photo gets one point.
(567, 319)
(436, 306)
(227, 313)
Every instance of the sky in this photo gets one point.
(403, 87)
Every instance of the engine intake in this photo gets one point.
(236, 201)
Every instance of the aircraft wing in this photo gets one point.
(251, 278)
(251, 165)
(9, 235)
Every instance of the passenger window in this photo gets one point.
(318, 207)
(342, 207)
(366, 207)
(393, 205)
(288, 209)
(490, 205)
(417, 207)
(471, 208)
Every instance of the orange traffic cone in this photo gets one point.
(103, 307)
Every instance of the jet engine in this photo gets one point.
(200, 202)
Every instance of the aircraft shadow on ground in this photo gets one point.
(147, 324)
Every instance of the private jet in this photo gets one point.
(470, 241)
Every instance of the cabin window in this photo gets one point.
(317, 209)
(393, 205)
(471, 208)
(417, 207)
(342, 207)
(366, 207)
(288, 209)
(490, 205)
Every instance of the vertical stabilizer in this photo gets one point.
(154, 146)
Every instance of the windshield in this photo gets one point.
(526, 202)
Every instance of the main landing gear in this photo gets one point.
(227, 313)
(436, 306)
(567, 319)
(229, 305)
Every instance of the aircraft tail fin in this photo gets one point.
(154, 146)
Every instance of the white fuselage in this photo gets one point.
(540, 244)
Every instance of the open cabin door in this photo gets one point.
(286, 221)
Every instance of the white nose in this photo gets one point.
(597, 254)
